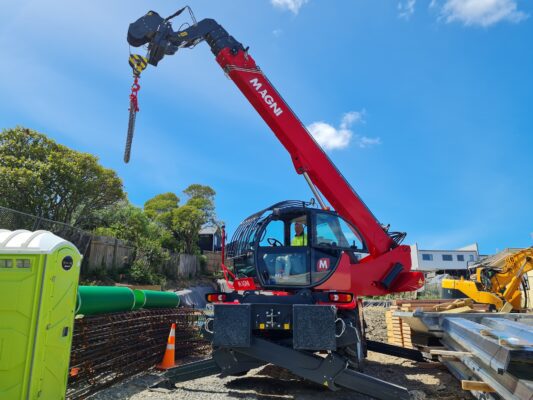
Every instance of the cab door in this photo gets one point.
(283, 252)
(331, 237)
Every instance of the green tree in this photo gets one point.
(44, 178)
(127, 222)
(203, 198)
(184, 222)
(160, 208)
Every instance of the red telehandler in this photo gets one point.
(298, 268)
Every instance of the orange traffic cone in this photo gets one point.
(168, 358)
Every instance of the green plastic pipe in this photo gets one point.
(156, 299)
(104, 299)
(94, 300)
(140, 299)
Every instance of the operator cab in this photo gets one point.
(293, 245)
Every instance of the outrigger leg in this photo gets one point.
(331, 371)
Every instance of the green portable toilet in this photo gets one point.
(38, 283)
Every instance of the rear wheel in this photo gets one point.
(355, 353)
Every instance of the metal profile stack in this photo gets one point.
(399, 332)
(492, 354)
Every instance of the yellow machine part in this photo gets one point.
(469, 289)
(505, 282)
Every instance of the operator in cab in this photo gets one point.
(300, 237)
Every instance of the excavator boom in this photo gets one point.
(498, 285)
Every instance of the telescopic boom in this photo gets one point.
(307, 156)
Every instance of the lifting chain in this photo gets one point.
(138, 64)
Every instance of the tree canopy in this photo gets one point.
(44, 178)
(185, 221)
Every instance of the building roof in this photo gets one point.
(469, 248)
(208, 230)
(23, 241)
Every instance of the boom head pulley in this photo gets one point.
(156, 32)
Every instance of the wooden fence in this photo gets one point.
(213, 260)
(107, 253)
(181, 266)
(110, 253)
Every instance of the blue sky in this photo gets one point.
(425, 106)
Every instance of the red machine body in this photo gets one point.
(293, 295)
(308, 157)
(387, 267)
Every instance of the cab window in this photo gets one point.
(333, 232)
(282, 253)
(273, 235)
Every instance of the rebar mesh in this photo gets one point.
(109, 348)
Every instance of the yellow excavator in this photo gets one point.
(500, 281)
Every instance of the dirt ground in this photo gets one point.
(423, 380)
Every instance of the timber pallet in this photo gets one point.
(399, 333)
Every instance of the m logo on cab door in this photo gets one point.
(322, 264)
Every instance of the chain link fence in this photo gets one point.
(13, 220)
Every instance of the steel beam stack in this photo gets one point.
(491, 353)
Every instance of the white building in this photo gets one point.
(440, 261)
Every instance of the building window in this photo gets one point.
(460, 257)
(6, 263)
(447, 257)
(427, 257)
(471, 257)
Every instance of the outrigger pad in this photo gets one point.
(231, 327)
(314, 327)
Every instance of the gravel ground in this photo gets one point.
(423, 380)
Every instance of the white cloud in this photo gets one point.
(277, 32)
(328, 137)
(481, 12)
(406, 8)
(365, 141)
(351, 118)
(291, 5)
(331, 138)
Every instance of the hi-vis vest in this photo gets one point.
(299, 240)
